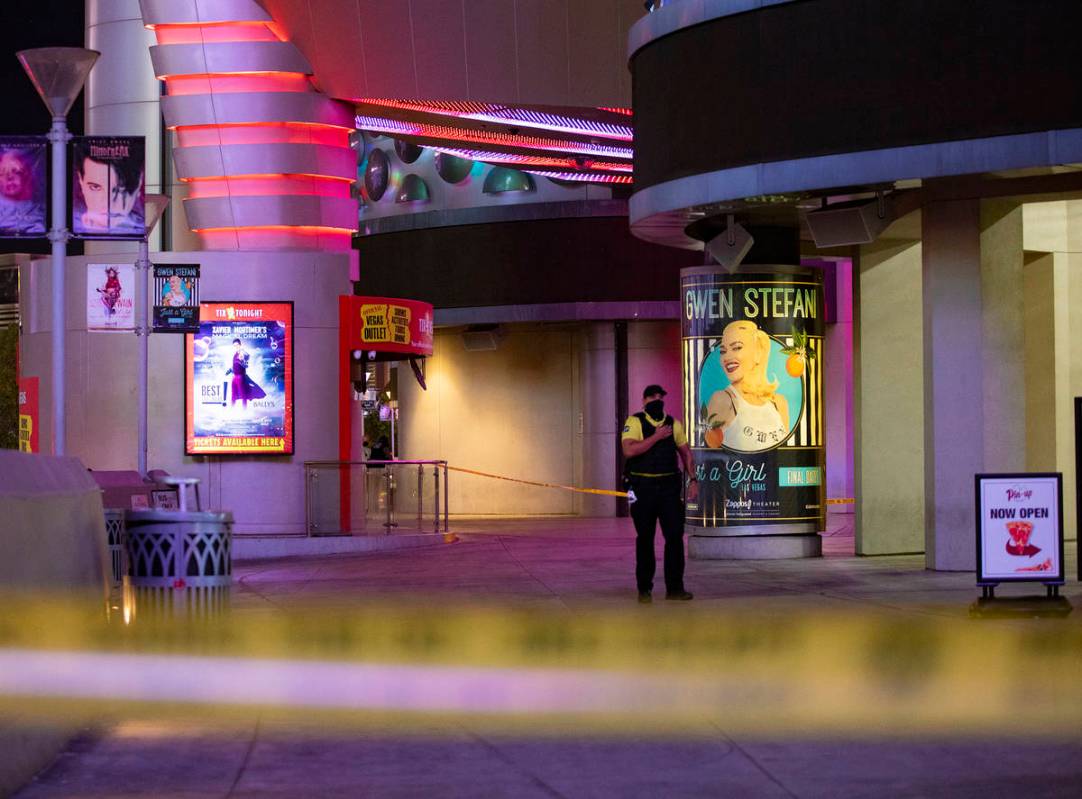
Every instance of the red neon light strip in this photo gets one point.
(270, 175)
(257, 238)
(237, 82)
(267, 186)
(306, 230)
(261, 133)
(210, 32)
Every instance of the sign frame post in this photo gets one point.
(1078, 478)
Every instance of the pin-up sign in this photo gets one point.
(392, 328)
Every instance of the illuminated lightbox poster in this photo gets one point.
(752, 348)
(108, 187)
(1019, 528)
(22, 186)
(110, 297)
(239, 380)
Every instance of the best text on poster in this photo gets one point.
(752, 347)
(239, 380)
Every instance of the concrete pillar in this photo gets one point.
(122, 93)
(1003, 361)
(889, 395)
(597, 417)
(1045, 385)
(953, 380)
(974, 365)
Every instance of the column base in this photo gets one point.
(754, 547)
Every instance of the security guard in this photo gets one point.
(651, 442)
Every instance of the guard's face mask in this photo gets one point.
(655, 409)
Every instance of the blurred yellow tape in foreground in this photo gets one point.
(592, 668)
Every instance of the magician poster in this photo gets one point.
(239, 380)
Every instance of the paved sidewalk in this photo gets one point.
(575, 564)
(579, 563)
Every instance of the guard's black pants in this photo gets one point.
(658, 500)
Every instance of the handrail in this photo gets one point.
(384, 471)
(368, 463)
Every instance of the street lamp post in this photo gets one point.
(154, 206)
(58, 74)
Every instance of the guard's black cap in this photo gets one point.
(653, 388)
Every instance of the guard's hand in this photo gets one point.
(693, 491)
(663, 432)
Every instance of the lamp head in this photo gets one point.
(58, 73)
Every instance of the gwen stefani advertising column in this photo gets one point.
(752, 364)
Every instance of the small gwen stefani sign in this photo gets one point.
(1019, 528)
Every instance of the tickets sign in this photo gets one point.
(28, 415)
(388, 325)
(1019, 528)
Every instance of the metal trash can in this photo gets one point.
(180, 562)
(114, 528)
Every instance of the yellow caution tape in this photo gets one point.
(602, 491)
(674, 665)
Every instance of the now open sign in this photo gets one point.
(1019, 528)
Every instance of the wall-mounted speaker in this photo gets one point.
(479, 338)
(843, 224)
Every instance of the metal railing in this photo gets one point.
(375, 497)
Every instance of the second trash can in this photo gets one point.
(180, 561)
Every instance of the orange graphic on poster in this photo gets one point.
(1044, 566)
(1019, 545)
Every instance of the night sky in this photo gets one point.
(36, 23)
(26, 24)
